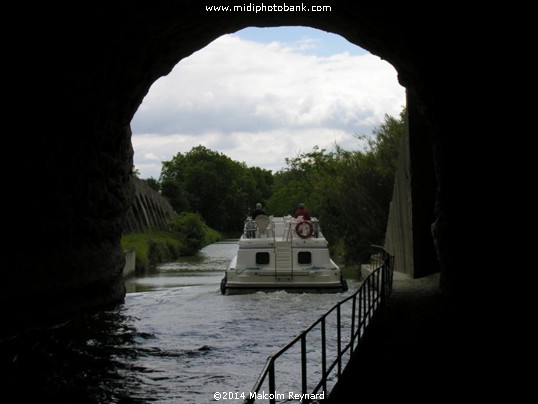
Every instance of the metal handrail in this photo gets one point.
(367, 302)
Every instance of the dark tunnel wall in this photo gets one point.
(83, 72)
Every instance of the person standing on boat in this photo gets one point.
(302, 212)
(257, 211)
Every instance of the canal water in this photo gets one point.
(176, 339)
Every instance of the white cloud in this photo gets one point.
(260, 103)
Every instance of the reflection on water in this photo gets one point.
(81, 358)
(175, 339)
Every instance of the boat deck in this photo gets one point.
(270, 230)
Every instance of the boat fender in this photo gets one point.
(304, 229)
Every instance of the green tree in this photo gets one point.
(215, 186)
(263, 183)
(172, 190)
(304, 180)
(349, 191)
(364, 189)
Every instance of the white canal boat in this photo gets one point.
(282, 253)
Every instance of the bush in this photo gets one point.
(191, 228)
(211, 235)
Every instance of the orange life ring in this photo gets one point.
(304, 229)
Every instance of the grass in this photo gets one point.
(150, 245)
(139, 243)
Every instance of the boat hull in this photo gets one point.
(243, 285)
(244, 289)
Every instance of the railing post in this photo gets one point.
(272, 386)
(369, 294)
(339, 340)
(352, 339)
(303, 365)
(391, 272)
(379, 288)
(360, 314)
(383, 284)
(323, 355)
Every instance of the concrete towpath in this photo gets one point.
(412, 351)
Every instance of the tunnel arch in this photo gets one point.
(96, 67)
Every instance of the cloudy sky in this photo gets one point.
(261, 95)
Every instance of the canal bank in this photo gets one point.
(415, 349)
